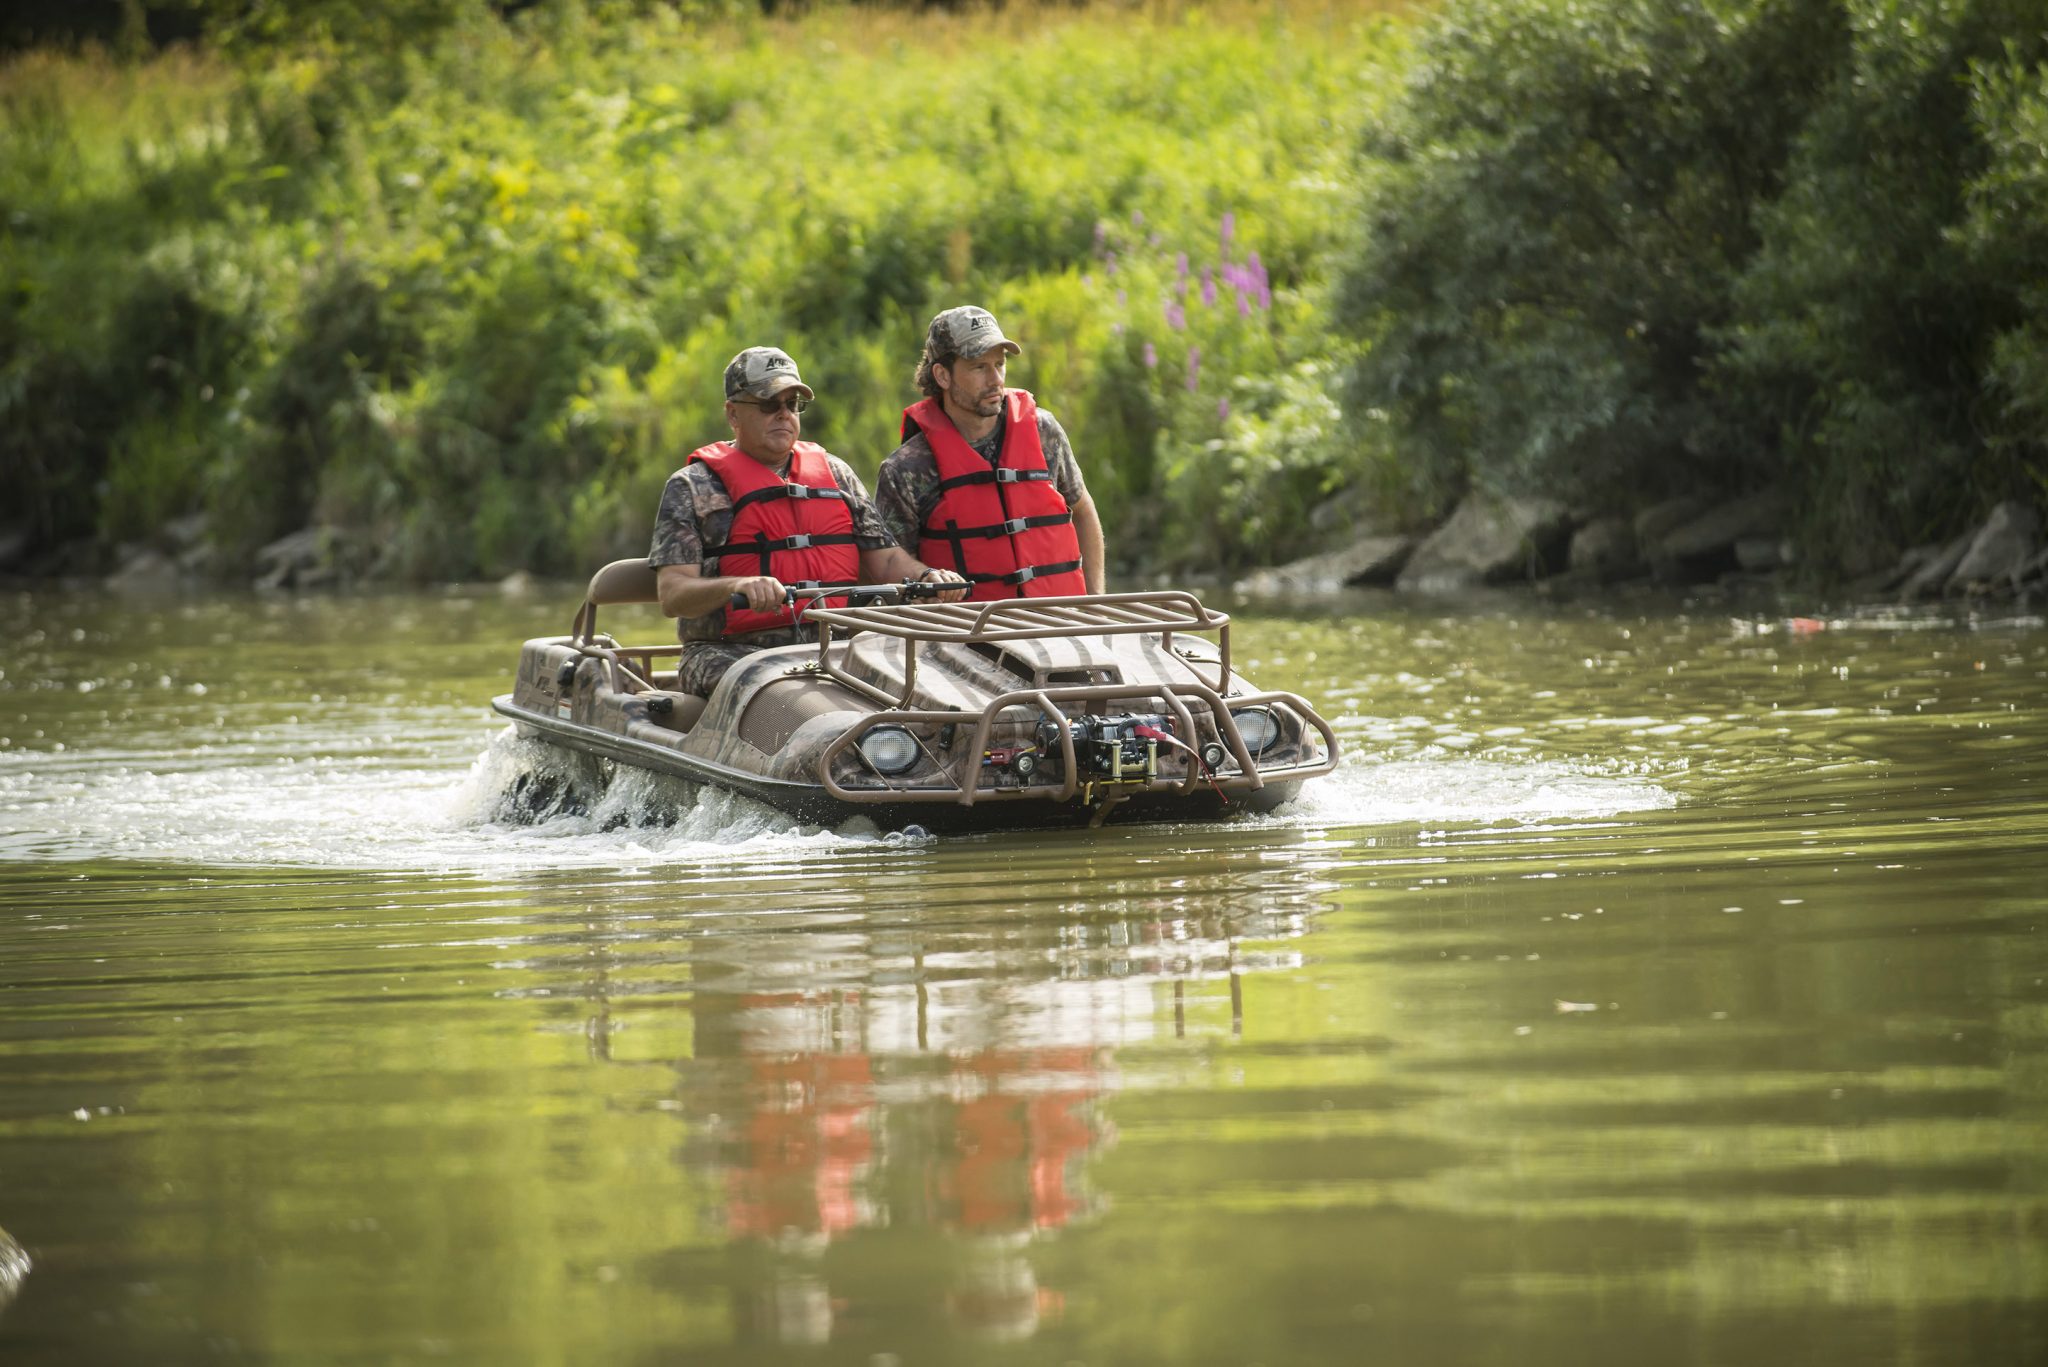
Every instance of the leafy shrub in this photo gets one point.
(1568, 192)
(472, 301)
(1633, 247)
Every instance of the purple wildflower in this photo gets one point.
(1151, 357)
(1123, 300)
(1137, 218)
(1244, 305)
(1229, 226)
(1176, 316)
(1222, 409)
(1194, 367)
(1101, 234)
(1208, 288)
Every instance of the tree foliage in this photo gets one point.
(473, 305)
(1624, 247)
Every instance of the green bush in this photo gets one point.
(1632, 247)
(472, 301)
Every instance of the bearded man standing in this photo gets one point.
(985, 483)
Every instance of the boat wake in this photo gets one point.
(522, 805)
(1469, 790)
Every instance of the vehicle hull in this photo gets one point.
(812, 803)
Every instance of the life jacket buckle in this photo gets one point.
(801, 541)
(1026, 575)
(1014, 526)
(1005, 475)
(798, 490)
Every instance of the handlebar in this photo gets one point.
(908, 590)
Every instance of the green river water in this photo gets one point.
(1655, 981)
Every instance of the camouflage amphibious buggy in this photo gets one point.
(1021, 712)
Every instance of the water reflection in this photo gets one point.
(931, 1094)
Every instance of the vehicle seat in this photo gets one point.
(622, 581)
(684, 709)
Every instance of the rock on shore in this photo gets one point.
(1687, 540)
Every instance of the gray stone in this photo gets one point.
(1999, 551)
(1374, 560)
(1656, 521)
(184, 533)
(1489, 540)
(1762, 554)
(201, 560)
(1890, 578)
(1713, 533)
(312, 557)
(1604, 548)
(145, 570)
(2037, 568)
(1934, 571)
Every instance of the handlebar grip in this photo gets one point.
(739, 600)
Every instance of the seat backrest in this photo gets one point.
(623, 581)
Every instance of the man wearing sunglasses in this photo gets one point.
(985, 482)
(758, 514)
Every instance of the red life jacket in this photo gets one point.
(799, 531)
(1003, 527)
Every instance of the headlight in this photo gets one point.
(1259, 727)
(889, 749)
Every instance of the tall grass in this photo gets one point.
(471, 302)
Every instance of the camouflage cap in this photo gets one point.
(763, 372)
(966, 331)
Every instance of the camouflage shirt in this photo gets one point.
(907, 489)
(696, 512)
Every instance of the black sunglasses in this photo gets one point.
(794, 404)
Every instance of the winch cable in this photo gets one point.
(1147, 731)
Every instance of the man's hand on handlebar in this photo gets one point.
(949, 577)
(766, 593)
(762, 593)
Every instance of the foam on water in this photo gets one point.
(278, 809)
(1468, 789)
(284, 798)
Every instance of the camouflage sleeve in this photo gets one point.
(869, 532)
(1059, 458)
(906, 491)
(676, 538)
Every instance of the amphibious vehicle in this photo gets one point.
(949, 716)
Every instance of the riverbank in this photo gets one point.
(452, 308)
(460, 313)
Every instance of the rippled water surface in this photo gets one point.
(1653, 982)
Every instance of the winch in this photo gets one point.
(1125, 745)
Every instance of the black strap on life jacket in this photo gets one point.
(956, 533)
(1001, 475)
(795, 491)
(764, 547)
(1025, 575)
